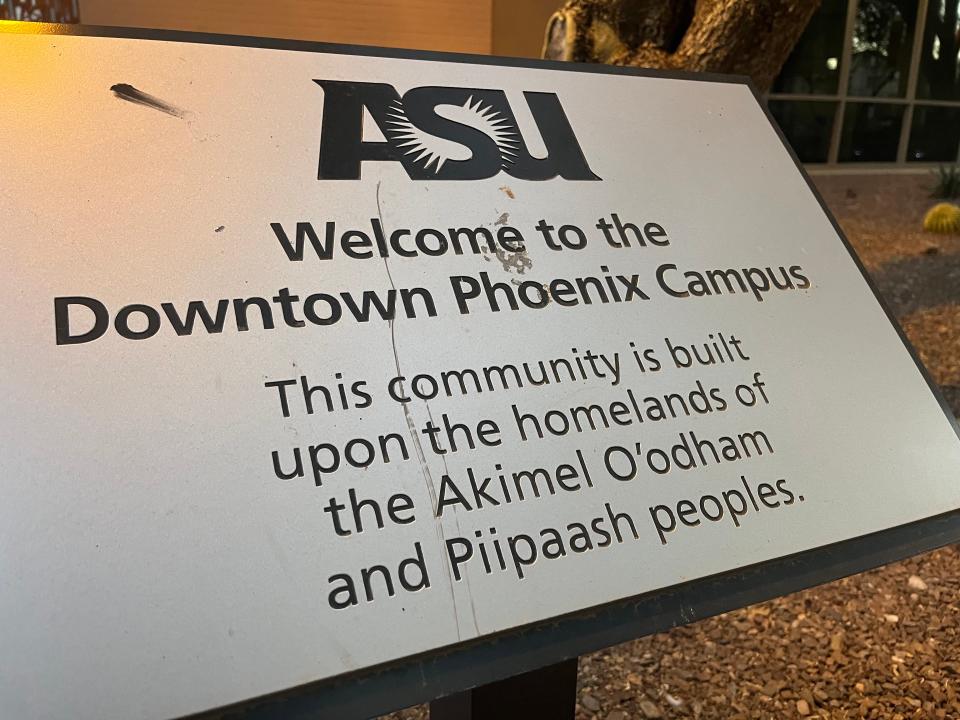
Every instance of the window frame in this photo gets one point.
(843, 98)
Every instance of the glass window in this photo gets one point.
(882, 41)
(934, 134)
(939, 76)
(813, 66)
(807, 125)
(61, 11)
(871, 132)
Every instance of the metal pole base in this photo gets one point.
(549, 693)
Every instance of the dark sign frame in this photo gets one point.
(440, 672)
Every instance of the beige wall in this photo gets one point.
(503, 27)
(518, 26)
(450, 25)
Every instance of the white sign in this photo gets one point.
(316, 361)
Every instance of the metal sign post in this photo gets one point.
(549, 693)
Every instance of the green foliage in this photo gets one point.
(946, 182)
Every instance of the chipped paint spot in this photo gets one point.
(503, 219)
(508, 192)
(546, 288)
(129, 93)
(516, 262)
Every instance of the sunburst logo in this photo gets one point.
(432, 152)
(444, 133)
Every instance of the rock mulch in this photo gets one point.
(881, 645)
(870, 646)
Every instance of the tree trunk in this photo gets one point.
(740, 37)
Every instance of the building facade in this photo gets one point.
(60, 11)
(874, 83)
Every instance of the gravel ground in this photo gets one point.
(883, 644)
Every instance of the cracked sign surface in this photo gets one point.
(269, 417)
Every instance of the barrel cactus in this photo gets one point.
(943, 218)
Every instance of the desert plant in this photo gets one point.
(946, 182)
(942, 218)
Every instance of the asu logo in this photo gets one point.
(444, 133)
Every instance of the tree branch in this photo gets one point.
(744, 37)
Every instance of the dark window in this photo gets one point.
(939, 77)
(807, 125)
(934, 134)
(871, 132)
(882, 41)
(814, 65)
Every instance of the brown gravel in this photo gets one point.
(882, 216)
(884, 644)
(935, 333)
